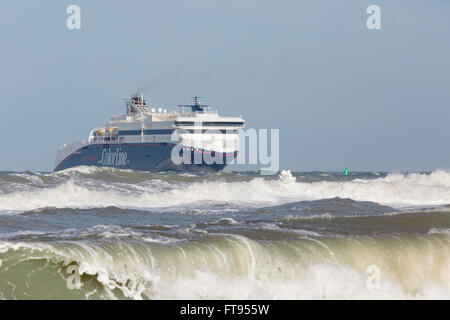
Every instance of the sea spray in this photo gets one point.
(90, 233)
(397, 190)
(232, 267)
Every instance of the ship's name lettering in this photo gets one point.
(114, 157)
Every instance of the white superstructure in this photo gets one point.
(194, 127)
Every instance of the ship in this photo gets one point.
(193, 137)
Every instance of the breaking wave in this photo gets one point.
(93, 187)
(230, 267)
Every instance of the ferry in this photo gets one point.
(152, 139)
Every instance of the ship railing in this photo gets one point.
(195, 114)
(106, 140)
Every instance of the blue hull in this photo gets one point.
(142, 157)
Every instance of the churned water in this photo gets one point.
(102, 233)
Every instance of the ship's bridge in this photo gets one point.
(201, 115)
(216, 122)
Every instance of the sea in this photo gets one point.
(105, 233)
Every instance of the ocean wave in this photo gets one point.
(418, 222)
(439, 231)
(231, 267)
(395, 190)
(332, 207)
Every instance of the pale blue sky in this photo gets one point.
(340, 94)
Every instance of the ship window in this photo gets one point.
(212, 131)
(146, 132)
(209, 124)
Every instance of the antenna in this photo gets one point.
(196, 106)
(196, 100)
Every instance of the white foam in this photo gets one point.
(30, 177)
(286, 176)
(274, 226)
(397, 190)
(439, 231)
(110, 231)
(22, 233)
(90, 170)
(226, 221)
(244, 269)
